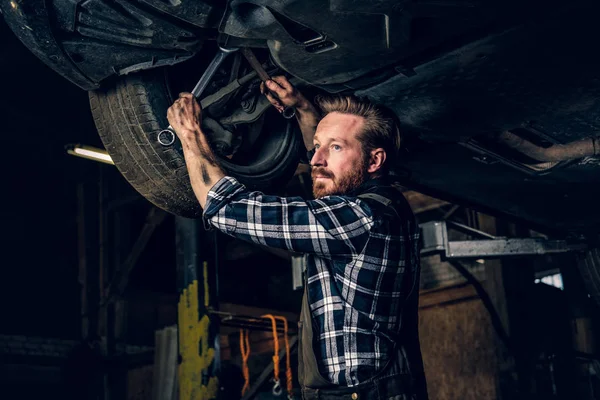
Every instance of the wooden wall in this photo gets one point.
(457, 342)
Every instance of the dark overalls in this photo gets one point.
(403, 377)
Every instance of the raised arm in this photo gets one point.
(331, 226)
(287, 95)
(185, 117)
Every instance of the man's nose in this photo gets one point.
(318, 159)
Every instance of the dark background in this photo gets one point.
(41, 113)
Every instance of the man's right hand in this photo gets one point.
(281, 93)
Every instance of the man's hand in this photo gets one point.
(281, 93)
(185, 117)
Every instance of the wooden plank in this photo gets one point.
(88, 255)
(446, 294)
(81, 255)
(459, 351)
(154, 218)
(420, 202)
(165, 364)
(261, 342)
(256, 311)
(494, 282)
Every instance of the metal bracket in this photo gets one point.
(435, 240)
(298, 269)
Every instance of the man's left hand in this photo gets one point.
(185, 117)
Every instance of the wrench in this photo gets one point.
(167, 136)
(288, 112)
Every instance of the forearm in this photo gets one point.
(288, 223)
(203, 169)
(308, 118)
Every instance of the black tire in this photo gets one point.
(589, 266)
(129, 115)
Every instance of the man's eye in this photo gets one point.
(317, 146)
(336, 147)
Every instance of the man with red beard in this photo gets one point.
(359, 326)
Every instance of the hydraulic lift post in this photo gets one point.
(198, 333)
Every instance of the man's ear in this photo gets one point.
(376, 160)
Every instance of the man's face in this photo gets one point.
(338, 164)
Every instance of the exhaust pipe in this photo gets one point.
(555, 153)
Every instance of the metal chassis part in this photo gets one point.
(435, 240)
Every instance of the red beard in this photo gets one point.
(341, 185)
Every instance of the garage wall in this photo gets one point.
(457, 342)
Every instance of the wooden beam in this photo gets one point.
(421, 203)
(446, 295)
(87, 237)
(119, 282)
(241, 309)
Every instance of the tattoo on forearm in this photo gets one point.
(205, 176)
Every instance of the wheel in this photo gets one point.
(589, 266)
(130, 113)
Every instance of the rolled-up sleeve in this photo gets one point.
(333, 225)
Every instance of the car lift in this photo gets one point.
(435, 236)
(435, 240)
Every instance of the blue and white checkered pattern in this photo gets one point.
(357, 256)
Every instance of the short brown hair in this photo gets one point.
(380, 128)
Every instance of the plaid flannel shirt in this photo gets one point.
(356, 259)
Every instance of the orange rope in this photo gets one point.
(245, 350)
(276, 346)
(288, 363)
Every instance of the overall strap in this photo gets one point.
(387, 203)
(377, 197)
(309, 375)
(407, 345)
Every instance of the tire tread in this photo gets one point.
(129, 115)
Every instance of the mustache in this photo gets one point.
(321, 171)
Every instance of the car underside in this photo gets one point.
(498, 101)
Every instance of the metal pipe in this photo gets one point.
(558, 152)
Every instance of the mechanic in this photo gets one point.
(359, 235)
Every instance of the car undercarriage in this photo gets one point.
(484, 91)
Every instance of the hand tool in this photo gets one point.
(288, 112)
(167, 136)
